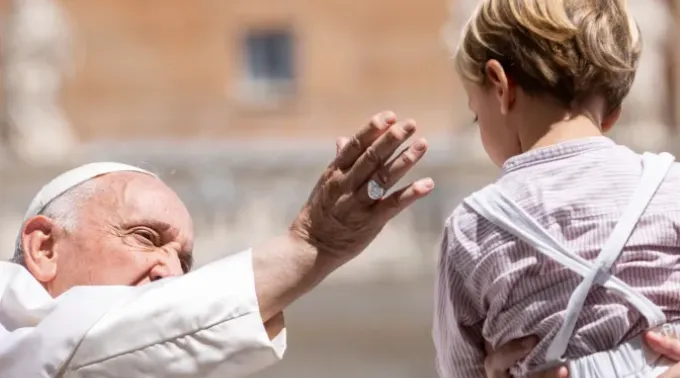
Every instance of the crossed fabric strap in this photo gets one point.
(499, 209)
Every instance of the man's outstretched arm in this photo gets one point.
(224, 319)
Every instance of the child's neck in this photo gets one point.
(542, 129)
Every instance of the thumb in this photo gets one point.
(340, 143)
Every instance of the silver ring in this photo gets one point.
(375, 191)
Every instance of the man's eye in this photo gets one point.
(147, 235)
(476, 119)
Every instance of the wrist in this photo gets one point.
(284, 269)
(308, 256)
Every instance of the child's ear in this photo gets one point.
(610, 119)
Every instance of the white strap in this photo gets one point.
(493, 205)
(499, 209)
(655, 168)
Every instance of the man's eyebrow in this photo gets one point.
(159, 224)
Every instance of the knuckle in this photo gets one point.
(377, 122)
(332, 181)
(394, 201)
(354, 144)
(372, 156)
(335, 177)
(395, 135)
(381, 177)
(408, 158)
(391, 140)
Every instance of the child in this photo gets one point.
(578, 241)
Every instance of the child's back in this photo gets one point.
(492, 283)
(545, 79)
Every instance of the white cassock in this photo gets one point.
(206, 323)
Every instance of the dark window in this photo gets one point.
(269, 55)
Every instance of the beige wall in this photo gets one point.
(675, 62)
(159, 67)
(168, 66)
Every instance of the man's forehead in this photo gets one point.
(145, 199)
(134, 184)
(136, 187)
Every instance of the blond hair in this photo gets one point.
(568, 49)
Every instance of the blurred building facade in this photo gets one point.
(253, 69)
(293, 70)
(236, 105)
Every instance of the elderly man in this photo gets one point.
(499, 362)
(101, 285)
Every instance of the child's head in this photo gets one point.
(517, 57)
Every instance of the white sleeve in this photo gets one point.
(204, 324)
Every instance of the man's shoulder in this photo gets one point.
(9, 271)
(18, 280)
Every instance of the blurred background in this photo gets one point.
(236, 104)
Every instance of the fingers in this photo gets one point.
(340, 144)
(502, 359)
(663, 345)
(668, 347)
(560, 372)
(395, 170)
(563, 373)
(358, 143)
(377, 154)
(393, 204)
(498, 363)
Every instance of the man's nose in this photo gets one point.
(165, 268)
(159, 271)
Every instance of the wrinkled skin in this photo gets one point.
(339, 218)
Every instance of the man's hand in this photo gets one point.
(498, 362)
(339, 219)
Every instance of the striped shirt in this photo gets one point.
(492, 287)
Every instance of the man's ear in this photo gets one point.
(37, 240)
(610, 119)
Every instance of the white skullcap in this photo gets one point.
(72, 178)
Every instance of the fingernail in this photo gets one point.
(409, 127)
(427, 184)
(420, 145)
(389, 118)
